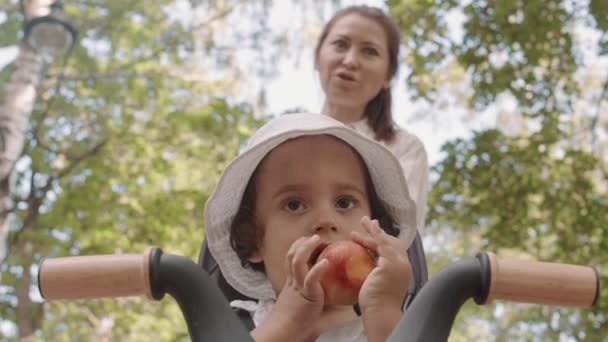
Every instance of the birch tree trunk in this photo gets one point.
(14, 118)
(18, 105)
(15, 115)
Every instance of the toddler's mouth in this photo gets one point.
(315, 255)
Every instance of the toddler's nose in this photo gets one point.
(325, 226)
(325, 220)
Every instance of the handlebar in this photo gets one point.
(209, 317)
(486, 278)
(542, 282)
(207, 313)
(96, 276)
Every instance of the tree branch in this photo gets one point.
(213, 18)
(34, 200)
(84, 156)
(125, 69)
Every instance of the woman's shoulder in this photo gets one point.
(403, 136)
(406, 142)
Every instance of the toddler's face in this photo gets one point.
(305, 186)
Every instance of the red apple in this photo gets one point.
(349, 265)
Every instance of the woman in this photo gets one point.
(357, 57)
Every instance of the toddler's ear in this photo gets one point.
(255, 257)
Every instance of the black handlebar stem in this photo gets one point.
(206, 311)
(432, 313)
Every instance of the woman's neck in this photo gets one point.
(343, 113)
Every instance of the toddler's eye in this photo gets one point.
(345, 202)
(294, 205)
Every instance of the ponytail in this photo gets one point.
(379, 116)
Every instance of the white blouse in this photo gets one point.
(413, 158)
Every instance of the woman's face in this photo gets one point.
(353, 61)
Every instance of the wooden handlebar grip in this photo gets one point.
(96, 276)
(542, 282)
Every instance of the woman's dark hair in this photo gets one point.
(378, 109)
(247, 231)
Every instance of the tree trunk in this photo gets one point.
(18, 105)
(25, 317)
(5, 205)
(25, 251)
(20, 96)
(14, 119)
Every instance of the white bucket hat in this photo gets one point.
(221, 208)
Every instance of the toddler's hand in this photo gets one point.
(386, 286)
(300, 303)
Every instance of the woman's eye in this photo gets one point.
(294, 205)
(345, 202)
(339, 43)
(371, 51)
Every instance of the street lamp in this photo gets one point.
(50, 35)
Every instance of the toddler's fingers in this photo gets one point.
(301, 259)
(365, 240)
(386, 246)
(287, 266)
(313, 279)
(372, 227)
(366, 222)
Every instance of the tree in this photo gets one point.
(129, 133)
(20, 94)
(539, 191)
(126, 140)
(127, 137)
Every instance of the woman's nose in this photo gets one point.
(350, 59)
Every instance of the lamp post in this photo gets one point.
(46, 35)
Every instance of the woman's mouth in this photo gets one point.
(346, 77)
